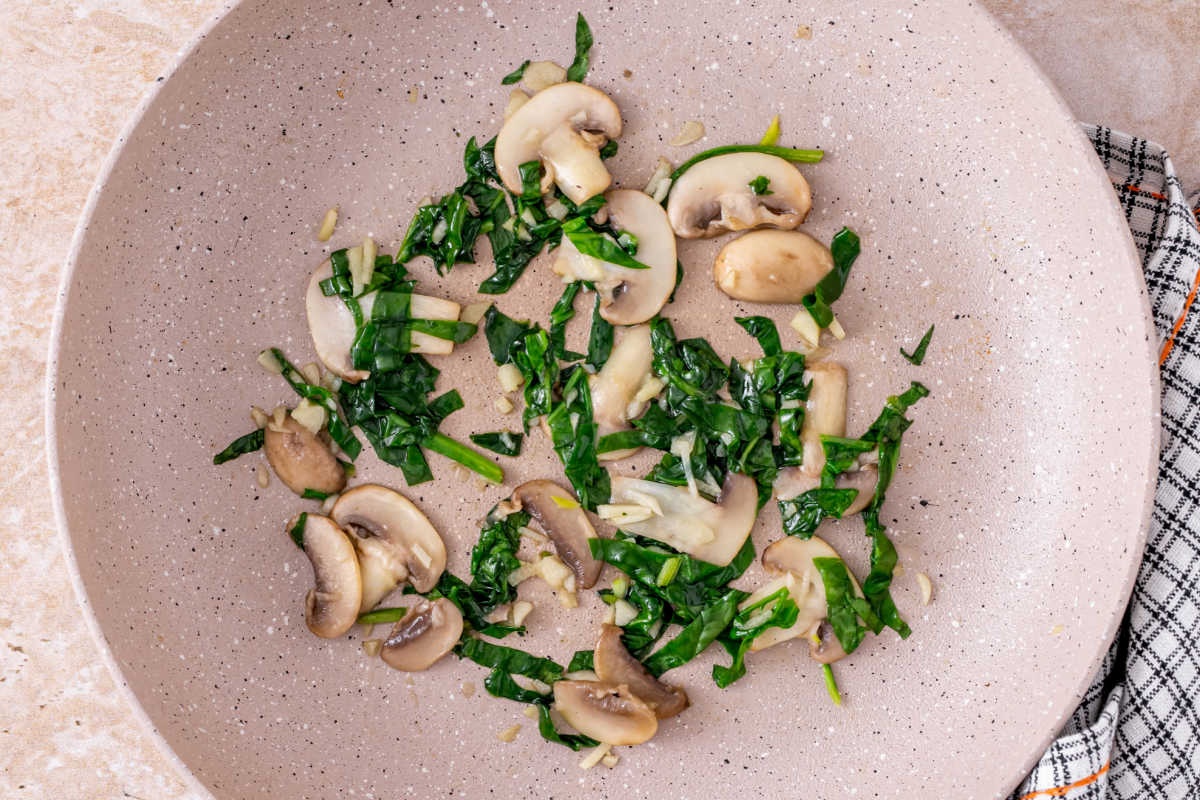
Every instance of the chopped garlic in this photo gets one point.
(520, 610)
(270, 363)
(593, 758)
(660, 180)
(807, 328)
(325, 232)
(926, 588)
(516, 99)
(557, 209)
(623, 513)
(467, 689)
(649, 501)
(540, 74)
(327, 503)
(650, 388)
(692, 131)
(263, 476)
(610, 760)
(312, 373)
(836, 329)
(474, 312)
(422, 556)
(366, 265)
(278, 420)
(503, 405)
(310, 415)
(508, 734)
(535, 536)
(510, 377)
(530, 712)
(624, 612)
(498, 614)
(681, 447)
(259, 416)
(372, 646)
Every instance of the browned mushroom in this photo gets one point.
(395, 540)
(565, 523)
(607, 712)
(332, 605)
(794, 481)
(300, 459)
(615, 665)
(426, 633)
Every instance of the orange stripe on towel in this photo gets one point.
(1061, 791)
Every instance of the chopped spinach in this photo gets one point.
(240, 446)
(339, 431)
(297, 530)
(918, 355)
(515, 75)
(504, 443)
(573, 431)
(598, 244)
(697, 635)
(600, 340)
(560, 315)
(845, 248)
(749, 623)
(583, 659)
(759, 185)
(583, 44)
(380, 616)
(313, 494)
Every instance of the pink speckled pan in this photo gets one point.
(1025, 480)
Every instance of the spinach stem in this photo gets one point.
(789, 153)
(456, 451)
(831, 684)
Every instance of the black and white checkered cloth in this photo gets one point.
(1136, 735)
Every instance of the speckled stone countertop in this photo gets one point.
(74, 73)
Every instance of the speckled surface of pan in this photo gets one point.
(1023, 485)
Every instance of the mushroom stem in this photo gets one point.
(825, 412)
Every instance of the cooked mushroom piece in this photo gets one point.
(628, 296)
(792, 560)
(615, 665)
(563, 126)
(712, 532)
(395, 541)
(771, 266)
(825, 412)
(332, 325)
(616, 389)
(794, 481)
(300, 459)
(332, 605)
(566, 524)
(425, 634)
(715, 196)
(609, 713)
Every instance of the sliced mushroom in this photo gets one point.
(300, 459)
(332, 605)
(615, 388)
(395, 540)
(607, 712)
(332, 325)
(715, 196)
(712, 532)
(628, 296)
(614, 665)
(563, 126)
(792, 560)
(425, 634)
(567, 526)
(794, 481)
(771, 266)
(825, 412)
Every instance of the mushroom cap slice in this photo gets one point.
(331, 606)
(615, 665)
(569, 528)
(771, 266)
(628, 296)
(332, 325)
(792, 560)
(607, 712)
(300, 459)
(403, 535)
(712, 532)
(425, 634)
(616, 385)
(550, 128)
(795, 481)
(714, 196)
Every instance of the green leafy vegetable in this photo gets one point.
(313, 494)
(845, 248)
(831, 684)
(583, 44)
(515, 75)
(583, 659)
(502, 442)
(917, 356)
(339, 431)
(380, 616)
(240, 446)
(573, 431)
(696, 635)
(297, 530)
(600, 340)
(493, 559)
(759, 185)
(598, 245)
(748, 625)
(609, 149)
(801, 515)
(843, 611)
(563, 312)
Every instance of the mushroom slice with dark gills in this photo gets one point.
(607, 712)
(331, 606)
(426, 633)
(565, 522)
(615, 665)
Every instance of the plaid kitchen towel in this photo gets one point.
(1136, 735)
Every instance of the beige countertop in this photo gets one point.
(73, 74)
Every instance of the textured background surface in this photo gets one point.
(74, 74)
